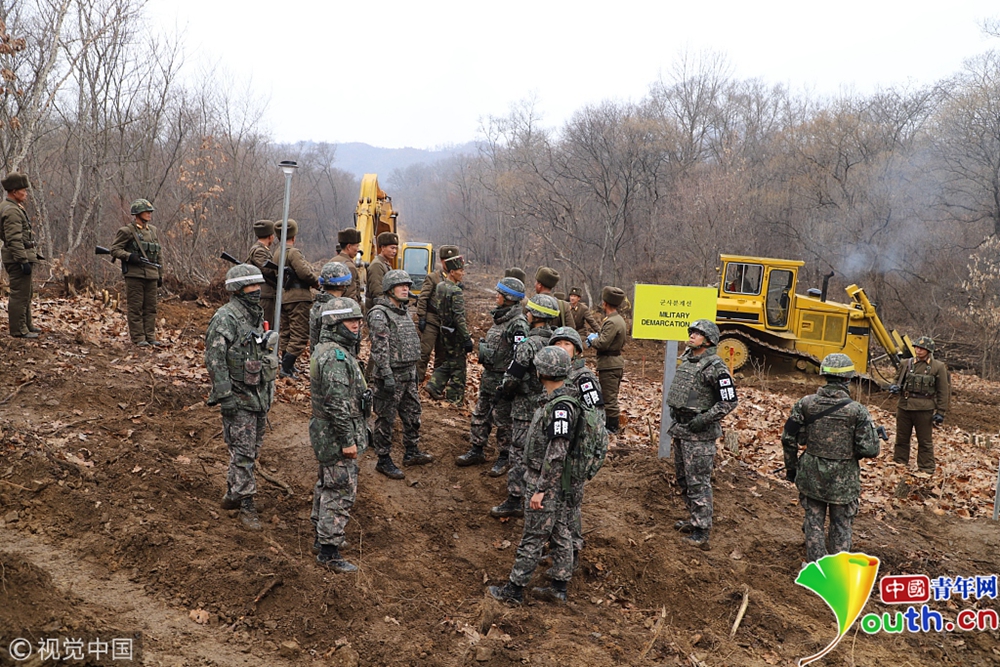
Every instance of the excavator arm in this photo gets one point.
(896, 347)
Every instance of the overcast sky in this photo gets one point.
(423, 74)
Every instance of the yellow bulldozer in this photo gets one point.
(762, 319)
(373, 216)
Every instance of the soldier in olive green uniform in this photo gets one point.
(551, 437)
(448, 379)
(701, 394)
(259, 255)
(296, 299)
(388, 247)
(496, 352)
(924, 389)
(338, 429)
(428, 321)
(395, 353)
(546, 280)
(349, 240)
(242, 367)
(521, 384)
(837, 432)
(19, 254)
(333, 280)
(582, 317)
(137, 246)
(609, 343)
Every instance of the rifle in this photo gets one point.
(267, 265)
(101, 250)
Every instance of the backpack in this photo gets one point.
(589, 447)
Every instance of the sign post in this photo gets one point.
(664, 312)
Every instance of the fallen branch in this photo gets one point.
(743, 610)
(274, 480)
(16, 486)
(656, 633)
(274, 583)
(16, 391)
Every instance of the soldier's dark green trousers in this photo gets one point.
(19, 305)
(141, 296)
(906, 422)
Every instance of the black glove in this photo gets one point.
(134, 258)
(230, 405)
(938, 418)
(699, 423)
(26, 268)
(789, 475)
(387, 389)
(893, 388)
(422, 324)
(508, 388)
(159, 282)
(467, 346)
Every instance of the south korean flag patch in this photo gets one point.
(559, 428)
(518, 339)
(590, 393)
(727, 393)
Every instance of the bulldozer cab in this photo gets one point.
(749, 280)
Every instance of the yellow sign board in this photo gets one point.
(664, 312)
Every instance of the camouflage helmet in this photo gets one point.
(553, 362)
(242, 275)
(141, 206)
(543, 307)
(570, 334)
(511, 288)
(393, 278)
(925, 342)
(706, 328)
(340, 309)
(334, 274)
(837, 365)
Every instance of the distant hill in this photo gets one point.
(360, 159)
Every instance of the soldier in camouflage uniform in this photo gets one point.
(333, 280)
(521, 384)
(338, 429)
(551, 504)
(496, 352)
(19, 254)
(701, 394)
(448, 379)
(608, 344)
(388, 246)
(137, 246)
(428, 321)
(924, 389)
(296, 300)
(259, 255)
(349, 241)
(239, 356)
(837, 432)
(585, 387)
(395, 353)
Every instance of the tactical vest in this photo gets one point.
(146, 246)
(247, 358)
(336, 379)
(496, 351)
(688, 391)
(538, 432)
(831, 436)
(401, 330)
(536, 339)
(920, 385)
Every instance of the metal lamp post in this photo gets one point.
(288, 168)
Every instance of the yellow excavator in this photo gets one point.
(373, 216)
(763, 320)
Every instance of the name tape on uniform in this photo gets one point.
(664, 312)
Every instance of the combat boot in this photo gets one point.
(501, 466)
(509, 592)
(230, 502)
(684, 525)
(415, 457)
(472, 457)
(698, 538)
(510, 507)
(329, 555)
(248, 514)
(388, 468)
(288, 366)
(611, 424)
(555, 592)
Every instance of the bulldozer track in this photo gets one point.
(785, 352)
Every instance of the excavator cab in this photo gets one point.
(417, 259)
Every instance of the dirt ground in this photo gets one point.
(112, 468)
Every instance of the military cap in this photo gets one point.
(511, 288)
(576, 291)
(547, 277)
(560, 295)
(553, 362)
(837, 365)
(263, 228)
(516, 272)
(613, 296)
(447, 251)
(140, 206)
(293, 228)
(454, 263)
(242, 275)
(567, 333)
(347, 236)
(15, 180)
(387, 238)
(925, 342)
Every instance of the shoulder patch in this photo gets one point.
(340, 355)
(590, 392)
(518, 339)
(559, 426)
(727, 392)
